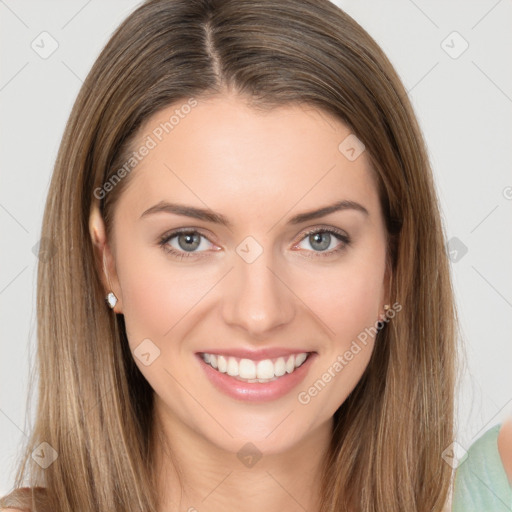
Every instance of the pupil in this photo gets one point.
(318, 236)
(189, 238)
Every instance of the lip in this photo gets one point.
(256, 391)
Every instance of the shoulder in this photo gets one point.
(480, 480)
(505, 447)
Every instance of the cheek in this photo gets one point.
(158, 301)
(157, 296)
(346, 298)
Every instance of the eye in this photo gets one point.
(323, 241)
(186, 243)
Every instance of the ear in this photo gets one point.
(104, 259)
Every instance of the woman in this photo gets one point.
(247, 186)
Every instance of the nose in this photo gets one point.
(257, 297)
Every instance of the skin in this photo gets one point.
(505, 447)
(258, 170)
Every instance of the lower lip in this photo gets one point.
(257, 391)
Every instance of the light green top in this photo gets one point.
(481, 484)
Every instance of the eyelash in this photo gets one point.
(163, 241)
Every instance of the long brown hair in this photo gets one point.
(94, 406)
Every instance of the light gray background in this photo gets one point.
(464, 105)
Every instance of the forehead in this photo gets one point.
(224, 154)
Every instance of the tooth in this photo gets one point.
(265, 369)
(280, 367)
(247, 369)
(299, 359)
(232, 367)
(222, 363)
(252, 371)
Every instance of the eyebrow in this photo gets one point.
(217, 218)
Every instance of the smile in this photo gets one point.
(247, 370)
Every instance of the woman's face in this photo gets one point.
(259, 279)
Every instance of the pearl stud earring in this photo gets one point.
(111, 300)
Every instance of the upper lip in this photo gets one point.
(255, 355)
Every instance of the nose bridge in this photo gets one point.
(256, 297)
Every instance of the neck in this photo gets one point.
(196, 475)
